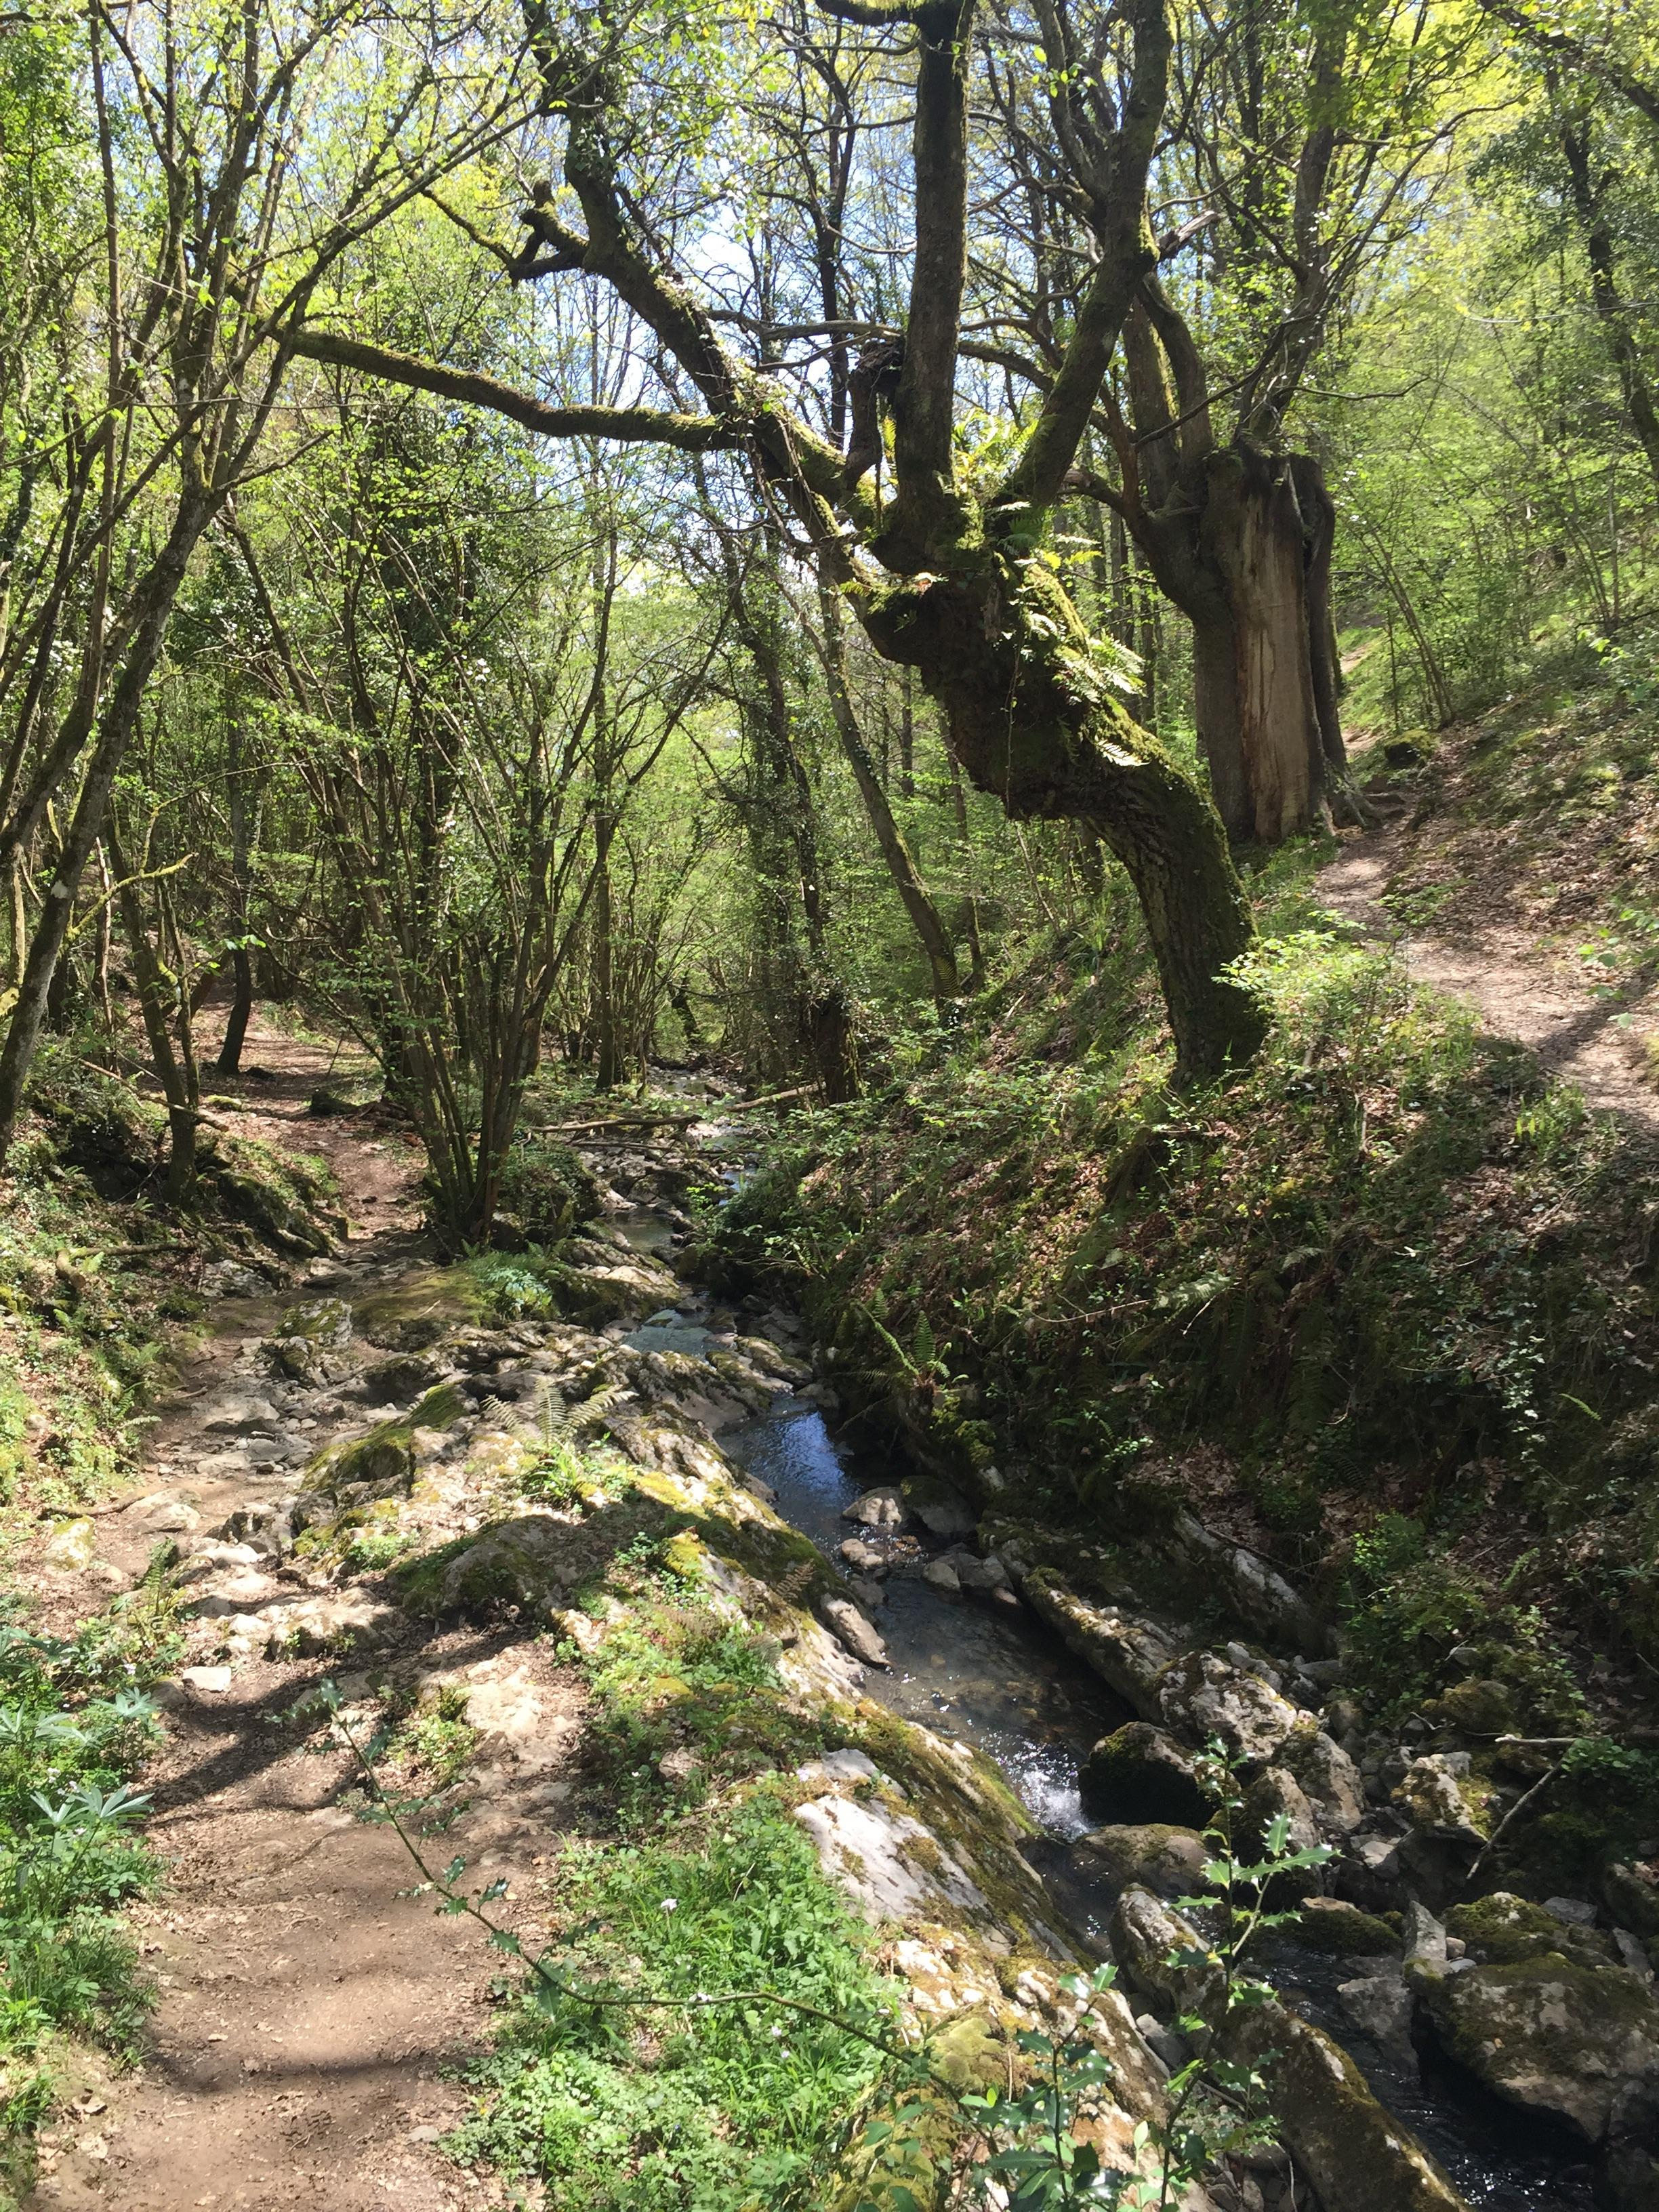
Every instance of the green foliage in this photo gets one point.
(697, 2113)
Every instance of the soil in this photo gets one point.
(1582, 1037)
(310, 2012)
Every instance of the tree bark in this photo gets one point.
(243, 805)
(120, 719)
(1006, 657)
(174, 1071)
(1641, 411)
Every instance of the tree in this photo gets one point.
(945, 575)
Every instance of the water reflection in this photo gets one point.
(993, 1678)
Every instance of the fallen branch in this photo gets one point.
(678, 1119)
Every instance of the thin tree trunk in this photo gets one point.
(174, 1071)
(925, 916)
(1641, 411)
(959, 800)
(242, 813)
(120, 720)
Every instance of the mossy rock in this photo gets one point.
(1485, 1708)
(325, 1323)
(1341, 1930)
(1154, 1855)
(384, 1459)
(1550, 2034)
(522, 1562)
(547, 1188)
(1142, 1773)
(1502, 1929)
(423, 1309)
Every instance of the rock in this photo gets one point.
(418, 1312)
(1627, 2171)
(1167, 1861)
(841, 1617)
(1369, 1870)
(1502, 1929)
(71, 1547)
(1257, 1593)
(867, 1592)
(878, 1508)
(940, 1575)
(1442, 1805)
(521, 1561)
(1162, 2042)
(1631, 1954)
(863, 1559)
(1571, 1912)
(758, 1487)
(325, 1323)
(979, 1577)
(1124, 1650)
(1205, 1696)
(847, 1765)
(1549, 2033)
(942, 1511)
(353, 1621)
(227, 1278)
(1341, 1930)
(1162, 1954)
(231, 1414)
(397, 1381)
(1357, 2156)
(1379, 2006)
(1276, 1793)
(212, 1680)
(292, 1358)
(1143, 1774)
(890, 1862)
(1423, 1940)
(1329, 1777)
(1631, 1894)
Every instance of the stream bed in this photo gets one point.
(1002, 1681)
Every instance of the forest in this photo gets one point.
(830, 1105)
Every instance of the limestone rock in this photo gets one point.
(1330, 1779)
(1167, 1861)
(1379, 2006)
(894, 1866)
(843, 1618)
(71, 1547)
(353, 1621)
(863, 1559)
(1124, 1650)
(1162, 1954)
(878, 1508)
(1435, 1796)
(1356, 2153)
(1205, 1696)
(1631, 1893)
(1277, 1794)
(979, 1577)
(1341, 1930)
(1548, 2033)
(519, 1561)
(1142, 1773)
(942, 1511)
(939, 1574)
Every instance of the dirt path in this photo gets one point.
(307, 2009)
(1574, 1034)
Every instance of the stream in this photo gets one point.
(1001, 1679)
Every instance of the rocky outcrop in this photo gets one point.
(1143, 1773)
(1127, 1650)
(1167, 1861)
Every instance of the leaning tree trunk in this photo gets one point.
(1030, 721)
(1264, 671)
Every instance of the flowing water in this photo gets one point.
(1002, 1681)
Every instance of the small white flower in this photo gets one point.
(777, 2032)
(671, 1905)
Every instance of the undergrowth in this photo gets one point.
(1389, 1268)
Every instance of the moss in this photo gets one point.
(384, 1458)
(1341, 1930)
(1503, 1931)
(423, 1309)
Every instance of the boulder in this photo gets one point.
(353, 1621)
(979, 1577)
(1438, 1797)
(1631, 1893)
(1341, 1930)
(1330, 1779)
(1503, 1929)
(72, 1546)
(1204, 1696)
(1257, 1593)
(1142, 1773)
(878, 1508)
(1357, 2156)
(942, 1511)
(863, 1559)
(939, 1574)
(1273, 1794)
(1124, 1650)
(1378, 2006)
(1162, 1954)
(843, 1618)
(1548, 2033)
(1167, 1861)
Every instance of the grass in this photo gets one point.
(75, 1723)
(708, 2109)
(1389, 1269)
